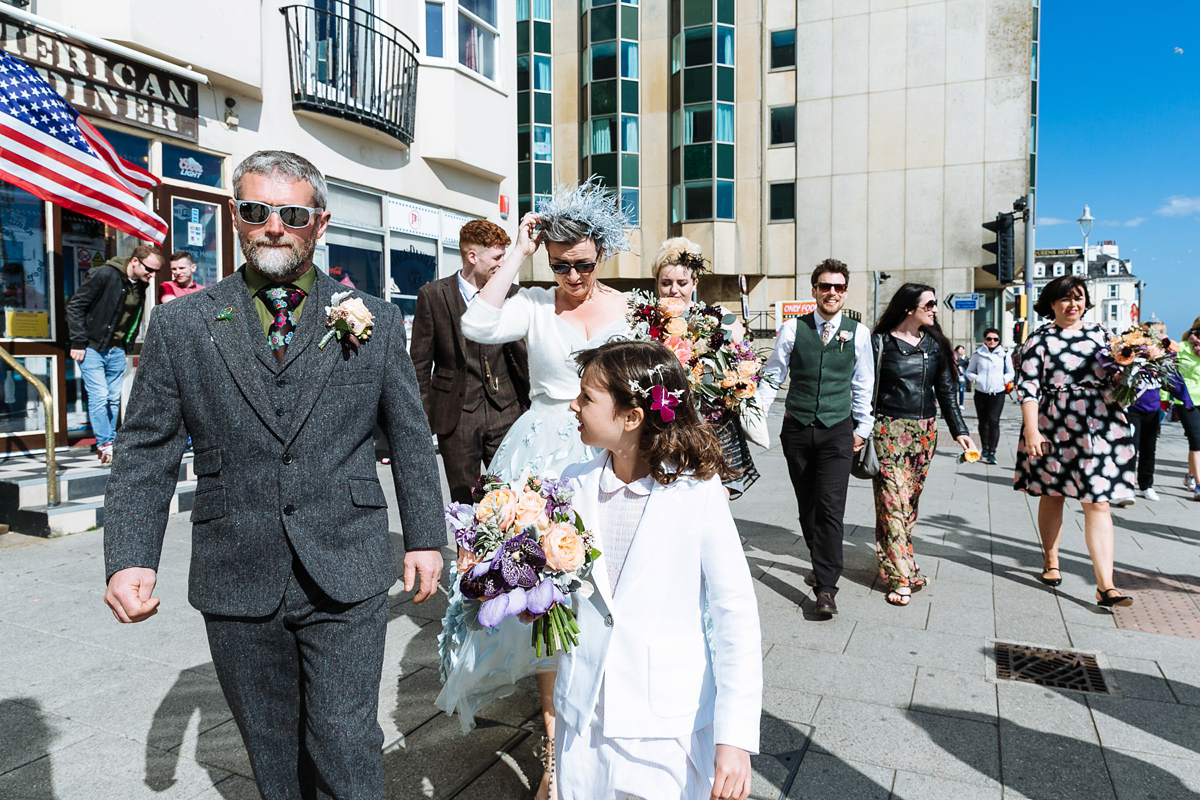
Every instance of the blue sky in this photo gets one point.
(1120, 131)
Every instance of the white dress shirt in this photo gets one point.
(466, 289)
(621, 506)
(862, 383)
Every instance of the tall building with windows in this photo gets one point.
(779, 133)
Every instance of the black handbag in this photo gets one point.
(866, 461)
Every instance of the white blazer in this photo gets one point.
(646, 647)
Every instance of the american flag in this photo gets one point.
(48, 149)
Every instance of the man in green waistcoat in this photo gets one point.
(827, 418)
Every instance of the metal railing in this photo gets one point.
(349, 63)
(48, 405)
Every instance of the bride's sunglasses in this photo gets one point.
(253, 212)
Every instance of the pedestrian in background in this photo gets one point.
(990, 370)
(960, 361)
(183, 277)
(1189, 414)
(1074, 442)
(1145, 415)
(102, 320)
(916, 368)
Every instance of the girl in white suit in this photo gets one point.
(646, 708)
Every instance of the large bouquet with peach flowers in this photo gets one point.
(522, 548)
(1139, 359)
(724, 373)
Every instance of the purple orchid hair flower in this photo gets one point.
(493, 611)
(519, 560)
(544, 595)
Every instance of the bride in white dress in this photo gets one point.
(579, 228)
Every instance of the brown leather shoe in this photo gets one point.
(825, 604)
(810, 580)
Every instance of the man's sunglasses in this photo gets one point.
(253, 212)
(583, 267)
(991, 338)
(840, 288)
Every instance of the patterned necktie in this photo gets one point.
(826, 332)
(281, 302)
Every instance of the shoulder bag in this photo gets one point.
(866, 462)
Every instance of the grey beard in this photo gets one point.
(274, 264)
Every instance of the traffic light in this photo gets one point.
(1002, 247)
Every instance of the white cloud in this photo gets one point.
(1133, 223)
(1053, 221)
(1179, 206)
(1116, 223)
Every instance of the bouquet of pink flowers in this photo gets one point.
(723, 374)
(1139, 359)
(522, 548)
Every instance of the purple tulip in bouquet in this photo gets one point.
(523, 549)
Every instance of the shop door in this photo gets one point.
(199, 223)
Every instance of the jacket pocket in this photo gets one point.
(349, 377)
(676, 678)
(207, 462)
(208, 505)
(442, 381)
(367, 493)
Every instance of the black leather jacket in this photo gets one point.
(909, 377)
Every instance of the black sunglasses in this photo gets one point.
(930, 306)
(840, 288)
(253, 212)
(991, 338)
(582, 268)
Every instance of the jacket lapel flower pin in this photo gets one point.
(225, 314)
(347, 318)
(843, 337)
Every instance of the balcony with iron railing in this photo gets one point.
(351, 64)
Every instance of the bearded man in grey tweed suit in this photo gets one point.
(291, 556)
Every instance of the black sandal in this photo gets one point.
(902, 598)
(1108, 598)
(1051, 581)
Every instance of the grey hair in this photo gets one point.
(586, 211)
(281, 162)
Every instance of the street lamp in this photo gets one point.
(1085, 227)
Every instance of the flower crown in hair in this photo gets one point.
(693, 262)
(661, 399)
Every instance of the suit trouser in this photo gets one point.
(1146, 425)
(469, 448)
(303, 686)
(819, 462)
(988, 407)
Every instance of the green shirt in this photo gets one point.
(130, 314)
(256, 283)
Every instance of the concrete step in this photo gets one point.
(81, 484)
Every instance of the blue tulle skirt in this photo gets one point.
(479, 666)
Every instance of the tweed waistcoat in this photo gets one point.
(821, 374)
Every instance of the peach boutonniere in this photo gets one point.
(347, 317)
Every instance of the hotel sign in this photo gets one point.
(102, 85)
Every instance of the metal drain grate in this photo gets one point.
(1045, 666)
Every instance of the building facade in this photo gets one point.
(406, 106)
(1116, 293)
(777, 134)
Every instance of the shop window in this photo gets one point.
(783, 202)
(193, 166)
(23, 275)
(355, 259)
(413, 264)
(195, 227)
(783, 49)
(22, 410)
(134, 149)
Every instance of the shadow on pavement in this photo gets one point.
(192, 694)
(25, 745)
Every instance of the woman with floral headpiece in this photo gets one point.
(580, 228)
(677, 268)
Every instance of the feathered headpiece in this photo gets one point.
(588, 210)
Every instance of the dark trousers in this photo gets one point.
(469, 448)
(1145, 440)
(988, 408)
(818, 462)
(303, 686)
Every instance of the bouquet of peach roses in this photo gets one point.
(1138, 359)
(724, 373)
(522, 548)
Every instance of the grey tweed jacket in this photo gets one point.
(284, 454)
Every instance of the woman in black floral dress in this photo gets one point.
(1075, 442)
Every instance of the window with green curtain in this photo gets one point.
(629, 59)
(541, 9)
(724, 126)
(604, 135)
(725, 45)
(697, 124)
(542, 73)
(629, 134)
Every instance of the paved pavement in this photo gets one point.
(880, 702)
